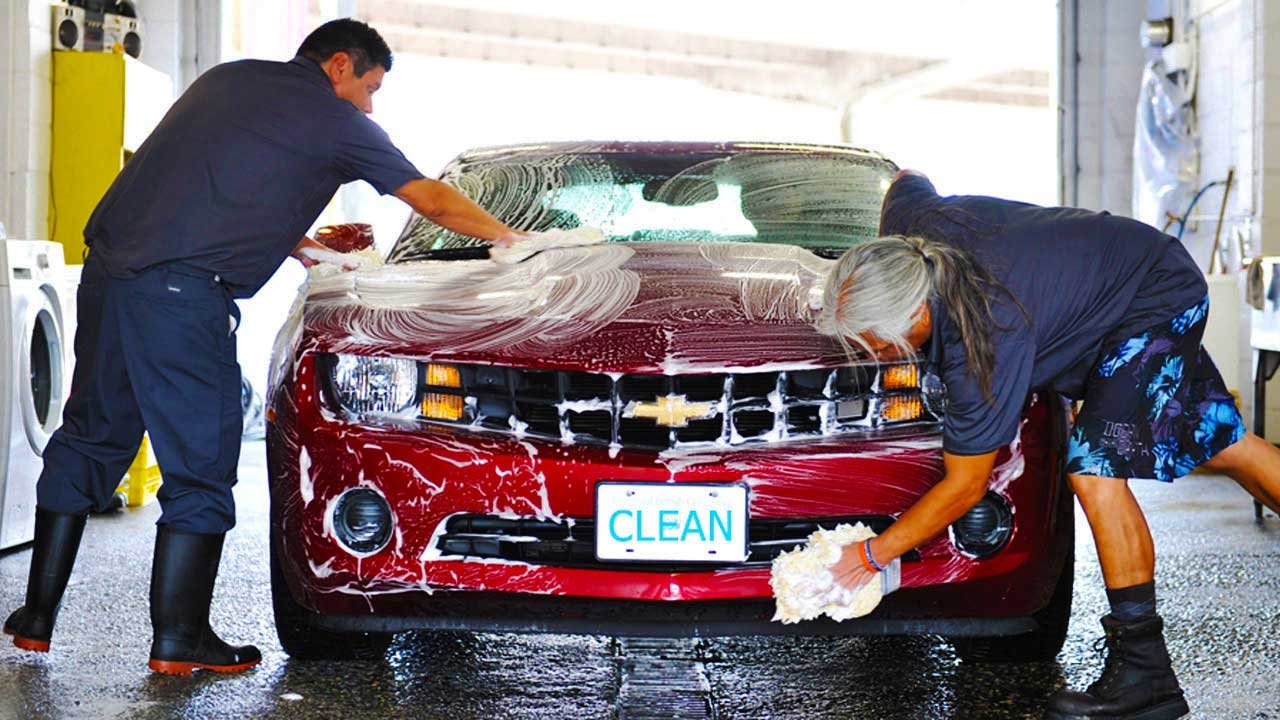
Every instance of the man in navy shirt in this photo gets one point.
(219, 195)
(1005, 298)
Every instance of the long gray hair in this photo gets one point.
(879, 287)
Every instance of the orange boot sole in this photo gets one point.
(41, 646)
(184, 669)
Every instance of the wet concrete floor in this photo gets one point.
(1219, 581)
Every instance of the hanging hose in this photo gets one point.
(1222, 211)
(1182, 221)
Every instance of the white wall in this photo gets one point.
(25, 32)
(182, 37)
(1099, 96)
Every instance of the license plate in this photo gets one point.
(680, 522)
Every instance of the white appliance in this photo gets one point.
(1264, 295)
(33, 374)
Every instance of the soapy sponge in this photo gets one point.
(549, 240)
(805, 588)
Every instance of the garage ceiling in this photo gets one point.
(792, 70)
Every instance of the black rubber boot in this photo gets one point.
(1137, 682)
(56, 543)
(182, 576)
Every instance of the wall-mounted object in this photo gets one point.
(1157, 33)
(123, 31)
(68, 27)
(97, 26)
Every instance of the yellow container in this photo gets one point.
(142, 482)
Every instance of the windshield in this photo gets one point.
(824, 201)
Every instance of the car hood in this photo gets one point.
(620, 307)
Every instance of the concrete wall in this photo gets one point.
(26, 92)
(183, 37)
(1101, 72)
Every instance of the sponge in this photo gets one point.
(805, 588)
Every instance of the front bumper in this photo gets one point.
(512, 612)
(429, 476)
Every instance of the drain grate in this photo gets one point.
(663, 679)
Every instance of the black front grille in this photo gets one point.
(663, 412)
(571, 543)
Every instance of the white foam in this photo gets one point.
(805, 588)
(548, 240)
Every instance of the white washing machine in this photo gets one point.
(33, 374)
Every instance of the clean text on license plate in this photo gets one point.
(671, 522)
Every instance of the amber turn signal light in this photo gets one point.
(443, 376)
(900, 377)
(902, 408)
(438, 406)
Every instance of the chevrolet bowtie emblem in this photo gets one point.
(671, 410)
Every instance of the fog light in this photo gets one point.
(985, 529)
(362, 520)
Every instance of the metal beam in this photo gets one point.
(793, 72)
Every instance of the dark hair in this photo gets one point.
(365, 46)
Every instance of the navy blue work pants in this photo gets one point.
(156, 352)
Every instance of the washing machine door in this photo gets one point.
(40, 371)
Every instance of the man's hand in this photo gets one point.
(849, 571)
(959, 490)
(300, 257)
(508, 239)
(311, 253)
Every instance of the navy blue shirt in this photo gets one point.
(237, 171)
(1087, 280)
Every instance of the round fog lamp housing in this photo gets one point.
(362, 521)
(985, 529)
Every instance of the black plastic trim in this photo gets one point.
(499, 612)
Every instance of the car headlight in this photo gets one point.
(376, 385)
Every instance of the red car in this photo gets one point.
(619, 438)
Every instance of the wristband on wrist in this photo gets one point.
(868, 561)
(864, 554)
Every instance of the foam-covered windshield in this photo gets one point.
(820, 198)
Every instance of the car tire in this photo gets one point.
(1040, 645)
(303, 641)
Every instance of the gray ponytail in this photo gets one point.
(878, 287)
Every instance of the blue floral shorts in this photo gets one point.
(1155, 407)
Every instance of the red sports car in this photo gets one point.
(621, 437)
